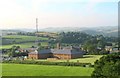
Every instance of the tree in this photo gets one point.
(13, 52)
(9, 54)
(73, 37)
(107, 67)
(39, 44)
(13, 49)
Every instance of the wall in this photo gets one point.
(76, 56)
(44, 56)
(62, 56)
(58, 56)
(32, 56)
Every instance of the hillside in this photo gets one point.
(104, 30)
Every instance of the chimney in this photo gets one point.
(71, 47)
(58, 45)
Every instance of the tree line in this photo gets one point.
(91, 44)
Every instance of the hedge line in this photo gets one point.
(49, 63)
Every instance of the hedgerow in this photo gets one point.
(48, 63)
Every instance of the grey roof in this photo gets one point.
(65, 51)
(46, 51)
(57, 51)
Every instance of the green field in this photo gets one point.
(16, 39)
(21, 38)
(44, 70)
(24, 38)
(85, 59)
(23, 45)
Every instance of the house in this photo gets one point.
(66, 53)
(42, 54)
(59, 53)
(115, 49)
(112, 48)
(108, 48)
(27, 49)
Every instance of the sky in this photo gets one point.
(18, 14)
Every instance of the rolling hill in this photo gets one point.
(104, 30)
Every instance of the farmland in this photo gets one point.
(49, 70)
(88, 59)
(22, 41)
(44, 70)
(23, 45)
(19, 39)
(85, 59)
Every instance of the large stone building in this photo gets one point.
(59, 53)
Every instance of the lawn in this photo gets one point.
(85, 59)
(44, 70)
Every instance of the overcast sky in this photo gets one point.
(57, 13)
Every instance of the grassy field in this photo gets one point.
(86, 59)
(24, 38)
(15, 39)
(21, 38)
(23, 45)
(44, 70)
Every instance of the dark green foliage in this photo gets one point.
(73, 37)
(107, 67)
(90, 44)
(39, 44)
(14, 54)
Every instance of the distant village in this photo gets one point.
(58, 53)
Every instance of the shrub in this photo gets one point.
(107, 67)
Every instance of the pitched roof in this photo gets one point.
(57, 51)
(46, 51)
(65, 51)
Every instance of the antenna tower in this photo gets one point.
(37, 25)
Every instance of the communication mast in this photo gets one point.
(37, 25)
(37, 40)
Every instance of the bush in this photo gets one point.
(107, 67)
